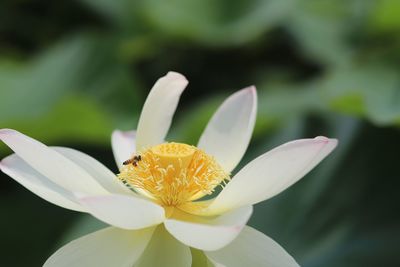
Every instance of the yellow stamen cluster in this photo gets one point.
(174, 173)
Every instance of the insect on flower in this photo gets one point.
(134, 160)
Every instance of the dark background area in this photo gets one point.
(72, 71)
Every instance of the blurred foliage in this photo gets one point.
(72, 71)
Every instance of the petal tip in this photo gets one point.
(323, 139)
(6, 131)
(250, 90)
(117, 131)
(176, 76)
(250, 93)
(334, 141)
(331, 141)
(121, 133)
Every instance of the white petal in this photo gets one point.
(108, 247)
(165, 251)
(159, 109)
(215, 264)
(123, 145)
(272, 172)
(98, 171)
(199, 259)
(32, 180)
(228, 133)
(127, 212)
(252, 248)
(212, 233)
(50, 163)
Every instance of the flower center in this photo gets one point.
(173, 173)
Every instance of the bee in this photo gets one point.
(134, 160)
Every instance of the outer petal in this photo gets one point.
(199, 259)
(165, 251)
(50, 163)
(209, 234)
(228, 133)
(102, 174)
(108, 247)
(28, 177)
(123, 145)
(127, 212)
(159, 109)
(252, 248)
(272, 172)
(215, 264)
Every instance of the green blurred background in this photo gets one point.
(72, 71)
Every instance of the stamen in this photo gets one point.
(174, 173)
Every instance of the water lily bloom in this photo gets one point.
(155, 206)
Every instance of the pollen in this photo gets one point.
(174, 174)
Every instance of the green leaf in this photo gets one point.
(32, 88)
(369, 90)
(216, 23)
(76, 119)
(385, 16)
(321, 29)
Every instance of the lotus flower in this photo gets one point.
(155, 206)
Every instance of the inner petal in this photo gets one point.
(173, 173)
